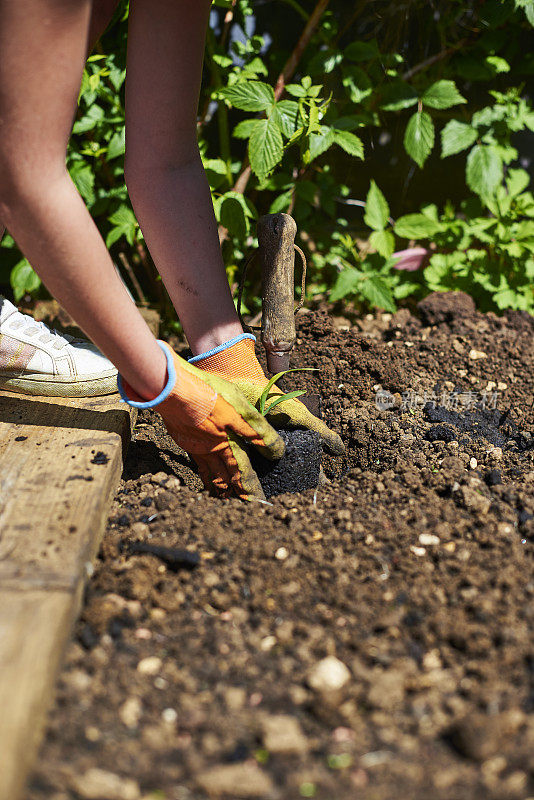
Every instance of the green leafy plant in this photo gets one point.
(263, 408)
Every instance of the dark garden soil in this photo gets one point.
(410, 573)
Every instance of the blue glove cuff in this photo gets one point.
(169, 386)
(221, 347)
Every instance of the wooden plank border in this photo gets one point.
(60, 463)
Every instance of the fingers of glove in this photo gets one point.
(225, 475)
(295, 413)
(221, 471)
(245, 480)
(205, 472)
(248, 424)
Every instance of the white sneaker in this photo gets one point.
(37, 360)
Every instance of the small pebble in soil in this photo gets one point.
(428, 539)
(281, 554)
(328, 675)
(97, 783)
(282, 733)
(150, 665)
(169, 715)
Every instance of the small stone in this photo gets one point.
(428, 539)
(495, 453)
(328, 675)
(236, 780)
(281, 554)
(501, 386)
(432, 660)
(160, 478)
(235, 698)
(169, 715)
(78, 680)
(267, 643)
(475, 355)
(283, 734)
(473, 463)
(130, 712)
(418, 551)
(449, 547)
(475, 501)
(97, 784)
(139, 530)
(505, 529)
(150, 665)
(92, 734)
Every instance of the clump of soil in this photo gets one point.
(372, 638)
(297, 470)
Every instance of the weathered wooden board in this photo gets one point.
(60, 462)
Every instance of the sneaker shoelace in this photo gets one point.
(32, 328)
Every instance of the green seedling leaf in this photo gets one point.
(383, 241)
(250, 96)
(232, 216)
(270, 384)
(347, 283)
(419, 137)
(320, 142)
(377, 292)
(285, 114)
(484, 170)
(245, 128)
(441, 95)
(457, 136)
(376, 208)
(265, 147)
(288, 396)
(349, 142)
(23, 279)
(398, 95)
(517, 181)
(416, 226)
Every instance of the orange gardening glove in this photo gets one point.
(211, 420)
(236, 362)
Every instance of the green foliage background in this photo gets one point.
(416, 110)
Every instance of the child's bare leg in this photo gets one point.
(164, 173)
(101, 13)
(42, 52)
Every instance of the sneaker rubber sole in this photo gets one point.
(56, 386)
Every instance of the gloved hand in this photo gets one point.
(210, 419)
(236, 362)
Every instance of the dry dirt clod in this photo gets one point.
(283, 734)
(236, 781)
(98, 784)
